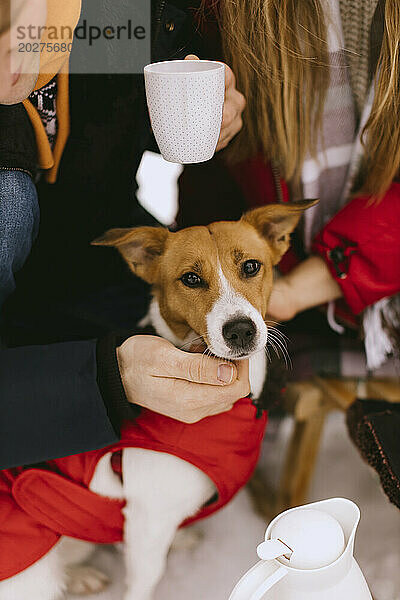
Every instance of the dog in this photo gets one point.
(211, 283)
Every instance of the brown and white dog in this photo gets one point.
(211, 282)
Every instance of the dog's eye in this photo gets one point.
(191, 280)
(250, 268)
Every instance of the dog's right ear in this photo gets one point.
(141, 247)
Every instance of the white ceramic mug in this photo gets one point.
(185, 100)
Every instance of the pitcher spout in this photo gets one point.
(346, 513)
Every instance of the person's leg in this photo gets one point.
(19, 224)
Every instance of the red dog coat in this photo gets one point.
(38, 505)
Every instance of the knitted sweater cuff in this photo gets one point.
(110, 383)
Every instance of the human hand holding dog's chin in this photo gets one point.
(234, 105)
(181, 385)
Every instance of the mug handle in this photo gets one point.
(266, 585)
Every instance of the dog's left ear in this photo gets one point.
(141, 247)
(275, 222)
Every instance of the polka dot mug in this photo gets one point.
(185, 100)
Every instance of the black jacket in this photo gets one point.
(60, 389)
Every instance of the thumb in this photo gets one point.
(191, 57)
(204, 369)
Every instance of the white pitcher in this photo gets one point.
(275, 579)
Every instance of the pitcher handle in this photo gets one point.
(268, 583)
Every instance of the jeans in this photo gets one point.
(19, 224)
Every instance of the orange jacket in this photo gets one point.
(54, 63)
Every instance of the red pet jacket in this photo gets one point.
(38, 505)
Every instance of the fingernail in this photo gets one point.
(225, 373)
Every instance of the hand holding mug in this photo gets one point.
(234, 105)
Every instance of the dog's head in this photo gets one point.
(216, 280)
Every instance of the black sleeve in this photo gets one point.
(17, 139)
(110, 382)
(51, 402)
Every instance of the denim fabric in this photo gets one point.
(19, 224)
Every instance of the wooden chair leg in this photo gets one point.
(305, 402)
(263, 495)
(297, 471)
(300, 461)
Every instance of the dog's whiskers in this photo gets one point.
(269, 321)
(278, 352)
(279, 333)
(196, 339)
(272, 323)
(267, 353)
(277, 340)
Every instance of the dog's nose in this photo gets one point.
(239, 334)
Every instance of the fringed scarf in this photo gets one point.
(332, 174)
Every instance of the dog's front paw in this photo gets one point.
(83, 580)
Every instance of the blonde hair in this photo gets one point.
(279, 54)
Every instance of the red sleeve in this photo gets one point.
(361, 246)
